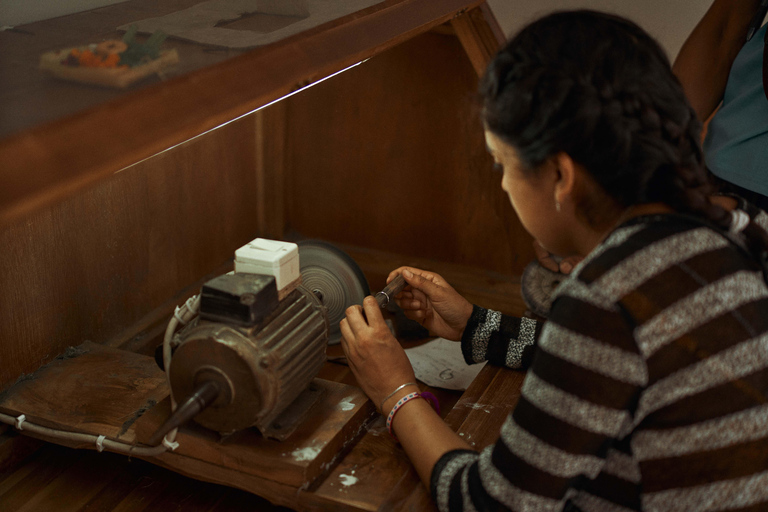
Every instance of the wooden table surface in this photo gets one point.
(38, 476)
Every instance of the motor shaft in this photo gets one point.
(202, 397)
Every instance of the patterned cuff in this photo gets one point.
(521, 342)
(481, 325)
(500, 339)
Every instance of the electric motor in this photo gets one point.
(259, 369)
(250, 351)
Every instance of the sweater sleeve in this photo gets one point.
(565, 422)
(499, 339)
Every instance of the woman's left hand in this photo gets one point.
(375, 357)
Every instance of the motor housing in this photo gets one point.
(260, 369)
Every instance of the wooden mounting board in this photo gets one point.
(104, 391)
(336, 421)
(90, 389)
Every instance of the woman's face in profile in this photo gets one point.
(532, 195)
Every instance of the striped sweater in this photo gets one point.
(647, 389)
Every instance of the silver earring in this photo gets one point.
(557, 206)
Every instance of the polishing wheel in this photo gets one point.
(334, 278)
(537, 285)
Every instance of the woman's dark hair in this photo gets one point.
(600, 89)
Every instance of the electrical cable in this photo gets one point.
(182, 315)
(117, 446)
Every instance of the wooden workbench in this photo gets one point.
(37, 476)
(54, 478)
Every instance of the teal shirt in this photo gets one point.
(736, 145)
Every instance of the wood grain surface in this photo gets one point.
(90, 389)
(90, 267)
(115, 209)
(47, 163)
(421, 181)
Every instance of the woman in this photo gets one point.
(647, 387)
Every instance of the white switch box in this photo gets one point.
(269, 257)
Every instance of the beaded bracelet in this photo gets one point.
(424, 394)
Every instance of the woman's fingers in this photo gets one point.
(426, 275)
(568, 263)
(420, 296)
(361, 321)
(355, 318)
(421, 284)
(372, 312)
(416, 314)
(415, 304)
(346, 331)
(347, 342)
(545, 258)
(548, 261)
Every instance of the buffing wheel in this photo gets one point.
(335, 279)
(537, 286)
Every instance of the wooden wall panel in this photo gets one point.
(390, 155)
(95, 264)
(270, 156)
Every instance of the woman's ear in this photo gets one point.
(565, 179)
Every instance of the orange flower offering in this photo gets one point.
(106, 55)
(111, 63)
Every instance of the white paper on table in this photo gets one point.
(440, 364)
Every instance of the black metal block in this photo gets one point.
(241, 299)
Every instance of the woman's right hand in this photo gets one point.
(432, 302)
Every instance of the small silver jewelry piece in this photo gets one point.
(557, 206)
(395, 391)
(385, 295)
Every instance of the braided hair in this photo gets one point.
(600, 89)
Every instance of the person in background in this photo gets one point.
(719, 67)
(647, 386)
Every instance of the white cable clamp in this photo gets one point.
(100, 443)
(191, 310)
(178, 316)
(20, 421)
(739, 220)
(186, 309)
(171, 445)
